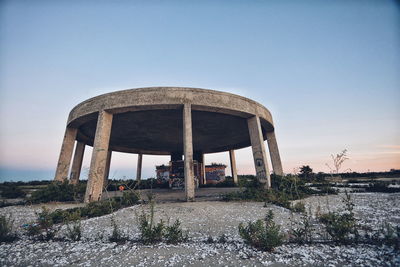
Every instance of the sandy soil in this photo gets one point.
(203, 219)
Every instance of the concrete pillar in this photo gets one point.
(259, 155)
(203, 169)
(107, 169)
(64, 159)
(274, 153)
(188, 152)
(199, 157)
(139, 168)
(233, 166)
(77, 163)
(99, 157)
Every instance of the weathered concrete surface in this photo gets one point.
(107, 168)
(77, 163)
(152, 118)
(188, 152)
(99, 157)
(259, 155)
(64, 159)
(233, 166)
(274, 153)
(139, 167)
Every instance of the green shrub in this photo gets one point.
(116, 235)
(341, 227)
(283, 190)
(150, 232)
(12, 191)
(43, 228)
(129, 198)
(298, 207)
(388, 235)
(174, 233)
(264, 235)
(6, 229)
(74, 227)
(303, 233)
(55, 191)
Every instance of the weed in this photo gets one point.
(12, 191)
(298, 207)
(56, 191)
(264, 235)
(43, 228)
(74, 227)
(341, 227)
(6, 229)
(149, 231)
(174, 233)
(303, 233)
(116, 235)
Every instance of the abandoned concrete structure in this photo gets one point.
(165, 121)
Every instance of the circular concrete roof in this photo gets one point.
(149, 120)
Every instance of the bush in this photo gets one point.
(12, 192)
(298, 207)
(74, 228)
(391, 235)
(6, 232)
(43, 228)
(56, 191)
(303, 233)
(116, 235)
(96, 209)
(174, 234)
(284, 189)
(341, 227)
(264, 235)
(150, 232)
(381, 187)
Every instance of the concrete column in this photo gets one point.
(77, 163)
(203, 169)
(107, 169)
(188, 152)
(64, 159)
(274, 153)
(259, 155)
(99, 157)
(233, 166)
(139, 168)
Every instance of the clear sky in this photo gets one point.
(327, 70)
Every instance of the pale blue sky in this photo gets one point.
(329, 73)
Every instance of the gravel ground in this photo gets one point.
(203, 219)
